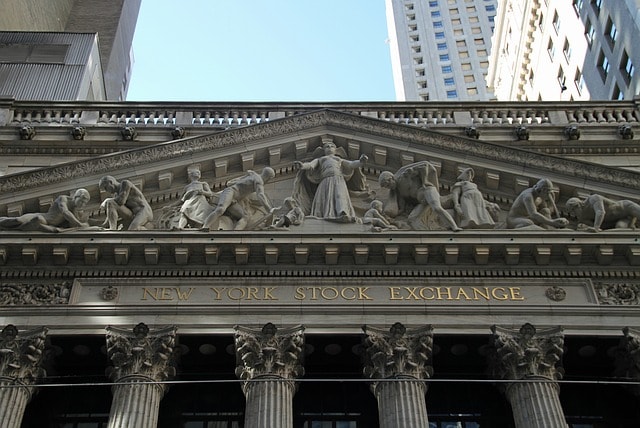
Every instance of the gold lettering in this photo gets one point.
(267, 293)
(241, 293)
(218, 292)
(183, 295)
(299, 294)
(362, 293)
(145, 292)
(166, 294)
(515, 293)
(477, 291)
(334, 292)
(448, 293)
(430, 297)
(412, 293)
(314, 294)
(463, 293)
(395, 293)
(344, 295)
(502, 293)
(252, 292)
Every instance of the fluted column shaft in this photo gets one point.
(141, 361)
(14, 397)
(401, 403)
(536, 404)
(269, 360)
(399, 359)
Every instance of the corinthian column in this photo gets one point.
(398, 359)
(141, 362)
(269, 360)
(627, 358)
(531, 359)
(20, 368)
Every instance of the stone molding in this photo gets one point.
(140, 353)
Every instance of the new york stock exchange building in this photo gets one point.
(343, 265)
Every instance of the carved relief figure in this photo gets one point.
(230, 199)
(376, 218)
(195, 205)
(128, 204)
(534, 208)
(293, 215)
(413, 189)
(63, 214)
(472, 211)
(597, 212)
(331, 200)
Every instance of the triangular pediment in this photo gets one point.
(160, 170)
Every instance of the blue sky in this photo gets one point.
(261, 50)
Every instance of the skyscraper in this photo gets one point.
(440, 48)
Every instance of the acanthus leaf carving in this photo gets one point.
(21, 354)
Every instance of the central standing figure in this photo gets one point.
(331, 200)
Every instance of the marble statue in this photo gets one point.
(596, 212)
(293, 215)
(195, 204)
(535, 208)
(472, 210)
(62, 215)
(413, 189)
(237, 190)
(376, 218)
(324, 182)
(128, 204)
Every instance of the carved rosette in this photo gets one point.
(398, 352)
(269, 352)
(21, 354)
(627, 358)
(141, 353)
(526, 353)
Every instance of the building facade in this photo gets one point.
(114, 23)
(440, 49)
(281, 278)
(584, 47)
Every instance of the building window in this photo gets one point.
(447, 69)
(471, 9)
(626, 67)
(425, 97)
(452, 94)
(465, 66)
(597, 5)
(420, 72)
(417, 49)
(469, 78)
(463, 54)
(589, 32)
(458, 32)
(418, 60)
(454, 11)
(449, 81)
(433, 3)
(472, 91)
(566, 50)
(442, 46)
(603, 65)
(577, 5)
(562, 80)
(556, 21)
(439, 35)
(476, 30)
(617, 93)
(551, 49)
(461, 44)
(484, 64)
(579, 81)
(490, 8)
(438, 24)
(411, 17)
(415, 38)
(479, 41)
(482, 52)
(444, 57)
(473, 20)
(435, 14)
(422, 84)
(455, 22)
(611, 31)
(541, 21)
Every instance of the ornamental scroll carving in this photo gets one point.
(34, 294)
(519, 354)
(269, 352)
(618, 293)
(398, 352)
(21, 354)
(139, 352)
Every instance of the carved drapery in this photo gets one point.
(533, 358)
(627, 358)
(141, 361)
(269, 360)
(21, 360)
(405, 357)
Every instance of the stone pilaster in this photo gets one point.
(399, 360)
(532, 360)
(269, 360)
(20, 368)
(141, 360)
(627, 358)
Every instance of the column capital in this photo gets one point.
(21, 354)
(627, 357)
(269, 352)
(526, 353)
(141, 353)
(398, 352)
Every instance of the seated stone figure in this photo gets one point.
(534, 208)
(62, 215)
(376, 218)
(597, 212)
(128, 204)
